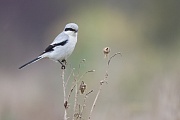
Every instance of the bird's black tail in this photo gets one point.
(32, 61)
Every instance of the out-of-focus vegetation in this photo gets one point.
(143, 83)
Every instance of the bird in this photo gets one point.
(61, 48)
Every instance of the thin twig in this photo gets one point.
(69, 76)
(83, 61)
(113, 56)
(84, 103)
(76, 89)
(75, 97)
(101, 84)
(95, 100)
(70, 92)
(85, 74)
(78, 80)
(64, 91)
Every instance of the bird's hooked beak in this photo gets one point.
(76, 31)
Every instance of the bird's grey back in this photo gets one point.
(60, 38)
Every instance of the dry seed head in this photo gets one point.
(106, 51)
(66, 104)
(91, 71)
(82, 87)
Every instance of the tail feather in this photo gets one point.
(32, 61)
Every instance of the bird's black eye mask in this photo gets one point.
(70, 29)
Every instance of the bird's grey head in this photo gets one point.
(71, 29)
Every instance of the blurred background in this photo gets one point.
(143, 84)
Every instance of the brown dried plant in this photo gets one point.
(79, 87)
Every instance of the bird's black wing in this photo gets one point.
(51, 47)
(61, 43)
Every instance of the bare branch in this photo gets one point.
(69, 76)
(118, 53)
(84, 102)
(75, 97)
(106, 52)
(64, 91)
(95, 100)
(83, 61)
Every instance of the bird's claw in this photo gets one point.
(63, 67)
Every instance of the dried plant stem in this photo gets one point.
(118, 53)
(69, 76)
(84, 103)
(95, 100)
(75, 97)
(99, 91)
(94, 103)
(64, 91)
(102, 82)
(70, 93)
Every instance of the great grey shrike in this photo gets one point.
(62, 46)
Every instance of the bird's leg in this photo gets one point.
(63, 66)
(64, 61)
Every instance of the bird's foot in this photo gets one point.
(62, 65)
(64, 61)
